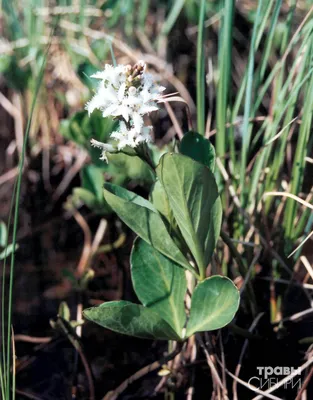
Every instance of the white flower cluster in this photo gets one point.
(126, 93)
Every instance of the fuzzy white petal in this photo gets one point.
(125, 111)
(121, 92)
(110, 110)
(145, 109)
(105, 147)
(138, 121)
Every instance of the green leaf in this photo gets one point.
(64, 311)
(160, 201)
(159, 284)
(93, 180)
(125, 167)
(71, 128)
(194, 199)
(81, 195)
(89, 199)
(5, 61)
(81, 128)
(131, 319)
(3, 234)
(109, 4)
(198, 148)
(125, 195)
(140, 215)
(17, 77)
(84, 71)
(213, 304)
(100, 48)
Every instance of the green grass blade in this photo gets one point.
(246, 128)
(201, 72)
(15, 223)
(301, 152)
(279, 149)
(14, 30)
(269, 41)
(289, 20)
(143, 12)
(172, 17)
(224, 61)
(273, 127)
(3, 334)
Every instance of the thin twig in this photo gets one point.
(63, 10)
(76, 344)
(193, 356)
(113, 395)
(291, 196)
(248, 274)
(28, 395)
(243, 350)
(225, 175)
(7, 176)
(88, 252)
(106, 248)
(9, 107)
(305, 384)
(223, 362)
(192, 30)
(99, 235)
(71, 173)
(173, 117)
(85, 256)
(286, 282)
(296, 316)
(235, 123)
(307, 265)
(32, 339)
(171, 98)
(215, 376)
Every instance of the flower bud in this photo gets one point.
(132, 90)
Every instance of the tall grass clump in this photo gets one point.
(269, 114)
(7, 359)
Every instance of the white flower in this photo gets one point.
(105, 147)
(131, 137)
(111, 74)
(124, 137)
(127, 93)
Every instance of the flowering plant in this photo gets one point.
(177, 228)
(126, 93)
